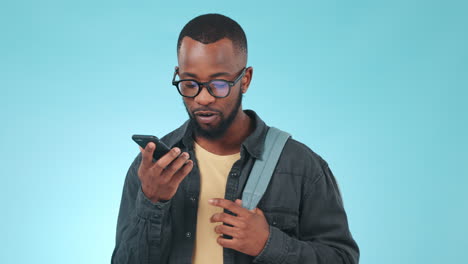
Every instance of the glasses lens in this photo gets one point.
(219, 88)
(188, 88)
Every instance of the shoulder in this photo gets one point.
(299, 160)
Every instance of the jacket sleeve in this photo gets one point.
(324, 236)
(143, 227)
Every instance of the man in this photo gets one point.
(186, 207)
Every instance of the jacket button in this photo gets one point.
(188, 235)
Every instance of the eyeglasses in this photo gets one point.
(217, 88)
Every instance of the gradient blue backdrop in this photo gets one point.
(377, 88)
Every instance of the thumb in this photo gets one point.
(238, 202)
(259, 211)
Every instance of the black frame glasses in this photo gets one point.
(208, 85)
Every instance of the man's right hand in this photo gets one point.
(160, 179)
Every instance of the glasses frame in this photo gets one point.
(207, 84)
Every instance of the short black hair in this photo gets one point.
(210, 28)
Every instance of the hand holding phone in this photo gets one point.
(143, 140)
(161, 169)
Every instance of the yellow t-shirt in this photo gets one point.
(214, 170)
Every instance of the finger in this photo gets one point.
(227, 230)
(180, 175)
(259, 211)
(141, 149)
(148, 154)
(174, 166)
(239, 202)
(165, 160)
(228, 219)
(229, 205)
(227, 243)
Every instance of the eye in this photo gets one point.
(188, 85)
(219, 85)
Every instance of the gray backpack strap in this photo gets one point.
(263, 168)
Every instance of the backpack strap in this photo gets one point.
(263, 168)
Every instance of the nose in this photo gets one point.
(204, 97)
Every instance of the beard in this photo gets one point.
(218, 131)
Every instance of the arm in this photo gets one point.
(143, 226)
(324, 235)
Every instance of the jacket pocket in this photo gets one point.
(286, 222)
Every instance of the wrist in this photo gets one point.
(146, 208)
(150, 195)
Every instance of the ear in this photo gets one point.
(246, 79)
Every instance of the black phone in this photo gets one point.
(161, 148)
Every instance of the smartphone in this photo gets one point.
(161, 148)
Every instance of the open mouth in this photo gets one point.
(205, 116)
(205, 113)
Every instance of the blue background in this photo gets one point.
(377, 88)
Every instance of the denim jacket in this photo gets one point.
(302, 204)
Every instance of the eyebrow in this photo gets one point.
(214, 75)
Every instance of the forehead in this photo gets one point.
(221, 55)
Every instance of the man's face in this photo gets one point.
(204, 62)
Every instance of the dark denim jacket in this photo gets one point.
(302, 204)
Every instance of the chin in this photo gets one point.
(209, 132)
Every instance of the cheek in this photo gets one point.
(226, 104)
(187, 103)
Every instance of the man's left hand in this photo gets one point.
(249, 231)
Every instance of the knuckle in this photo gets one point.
(241, 234)
(184, 156)
(242, 225)
(149, 147)
(229, 206)
(178, 176)
(170, 169)
(187, 168)
(248, 217)
(175, 152)
(218, 217)
(142, 174)
(222, 217)
(159, 166)
(164, 180)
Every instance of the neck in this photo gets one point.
(231, 141)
